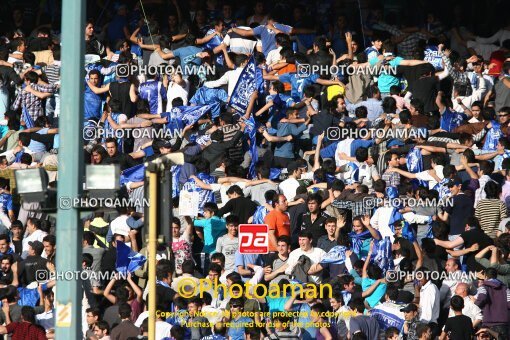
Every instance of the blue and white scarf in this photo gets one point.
(493, 136)
(357, 240)
(335, 256)
(250, 80)
(383, 257)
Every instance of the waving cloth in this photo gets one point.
(212, 97)
(133, 174)
(414, 164)
(127, 259)
(335, 256)
(383, 257)
(357, 240)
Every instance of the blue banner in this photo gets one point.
(245, 86)
(432, 56)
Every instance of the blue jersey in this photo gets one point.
(93, 104)
(204, 195)
(451, 119)
(6, 203)
(298, 84)
(372, 52)
(153, 91)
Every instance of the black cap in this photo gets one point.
(37, 246)
(409, 308)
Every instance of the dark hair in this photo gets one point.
(103, 325)
(90, 237)
(214, 267)
(492, 190)
(304, 233)
(361, 154)
(457, 303)
(94, 311)
(188, 267)
(218, 256)
(418, 105)
(51, 239)
(124, 310)
(232, 219)
(391, 332)
(28, 314)
(235, 189)
(88, 259)
(283, 238)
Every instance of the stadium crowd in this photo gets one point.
(376, 152)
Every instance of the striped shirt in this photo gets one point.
(239, 44)
(490, 212)
(229, 131)
(53, 72)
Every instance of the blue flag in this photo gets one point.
(383, 257)
(212, 97)
(127, 259)
(245, 86)
(335, 256)
(133, 174)
(29, 122)
(181, 116)
(176, 172)
(414, 164)
(493, 136)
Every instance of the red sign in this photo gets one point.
(253, 238)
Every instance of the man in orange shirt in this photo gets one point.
(278, 221)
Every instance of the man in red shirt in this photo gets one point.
(26, 328)
(278, 221)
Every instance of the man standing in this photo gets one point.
(313, 220)
(429, 298)
(278, 221)
(493, 297)
(126, 328)
(228, 244)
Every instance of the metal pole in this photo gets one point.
(165, 204)
(69, 231)
(152, 249)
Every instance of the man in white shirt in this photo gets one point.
(33, 233)
(288, 187)
(313, 253)
(429, 296)
(230, 77)
(470, 309)
(449, 285)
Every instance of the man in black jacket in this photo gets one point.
(215, 152)
(33, 264)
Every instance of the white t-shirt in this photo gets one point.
(425, 176)
(288, 188)
(315, 255)
(176, 91)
